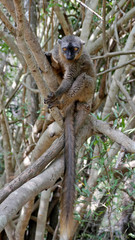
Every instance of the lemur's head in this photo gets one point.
(71, 47)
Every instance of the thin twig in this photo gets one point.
(125, 92)
(29, 88)
(129, 194)
(84, 5)
(7, 23)
(13, 150)
(16, 89)
(113, 54)
(103, 27)
(116, 32)
(114, 68)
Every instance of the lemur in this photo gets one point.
(71, 61)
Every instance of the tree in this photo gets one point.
(31, 137)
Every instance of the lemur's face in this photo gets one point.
(70, 51)
(71, 47)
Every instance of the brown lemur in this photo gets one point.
(72, 62)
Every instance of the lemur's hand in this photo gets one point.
(52, 100)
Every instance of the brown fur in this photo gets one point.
(68, 193)
(78, 84)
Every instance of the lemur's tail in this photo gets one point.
(68, 194)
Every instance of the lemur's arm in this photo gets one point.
(63, 88)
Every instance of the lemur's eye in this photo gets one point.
(75, 48)
(64, 49)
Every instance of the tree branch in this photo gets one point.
(10, 207)
(7, 23)
(91, 10)
(34, 169)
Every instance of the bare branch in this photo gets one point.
(115, 135)
(123, 90)
(118, 67)
(87, 23)
(34, 169)
(24, 219)
(42, 218)
(7, 23)
(104, 27)
(118, 73)
(97, 44)
(114, 54)
(18, 198)
(63, 21)
(11, 43)
(84, 5)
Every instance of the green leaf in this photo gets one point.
(131, 235)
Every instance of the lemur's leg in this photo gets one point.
(81, 90)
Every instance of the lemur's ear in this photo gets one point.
(59, 41)
(82, 42)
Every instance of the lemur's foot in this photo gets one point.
(83, 106)
(52, 101)
(50, 98)
(56, 103)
